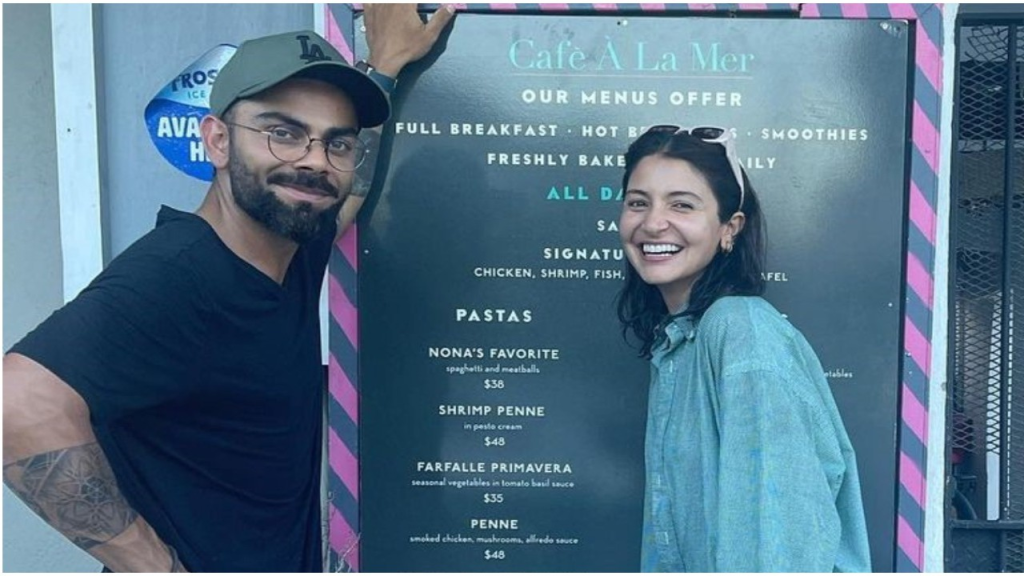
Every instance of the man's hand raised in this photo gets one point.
(397, 36)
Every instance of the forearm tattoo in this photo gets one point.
(74, 490)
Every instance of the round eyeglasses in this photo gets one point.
(291, 144)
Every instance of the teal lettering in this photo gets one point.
(568, 193)
(513, 52)
(667, 62)
(700, 62)
(712, 61)
(609, 53)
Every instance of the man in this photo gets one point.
(169, 418)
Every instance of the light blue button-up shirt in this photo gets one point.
(749, 468)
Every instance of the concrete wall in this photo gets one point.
(32, 252)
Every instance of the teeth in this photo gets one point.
(661, 248)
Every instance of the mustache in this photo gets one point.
(306, 180)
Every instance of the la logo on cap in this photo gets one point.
(311, 52)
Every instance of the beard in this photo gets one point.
(299, 222)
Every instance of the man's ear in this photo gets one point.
(216, 140)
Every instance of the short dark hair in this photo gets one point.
(641, 308)
(229, 114)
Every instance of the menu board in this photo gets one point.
(502, 415)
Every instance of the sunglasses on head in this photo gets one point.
(711, 135)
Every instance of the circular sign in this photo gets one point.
(173, 115)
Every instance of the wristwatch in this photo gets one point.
(364, 67)
(387, 83)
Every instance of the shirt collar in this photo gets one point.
(675, 330)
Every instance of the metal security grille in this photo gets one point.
(985, 427)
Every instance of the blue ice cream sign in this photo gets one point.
(173, 116)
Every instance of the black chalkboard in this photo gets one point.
(502, 416)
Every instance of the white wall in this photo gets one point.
(32, 268)
(935, 526)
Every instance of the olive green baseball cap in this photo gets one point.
(262, 63)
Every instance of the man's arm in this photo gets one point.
(53, 462)
(396, 36)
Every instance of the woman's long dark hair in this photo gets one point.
(641, 308)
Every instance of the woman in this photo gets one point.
(749, 467)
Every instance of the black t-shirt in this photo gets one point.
(204, 383)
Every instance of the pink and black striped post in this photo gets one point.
(343, 368)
